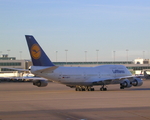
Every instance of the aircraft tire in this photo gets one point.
(121, 87)
(92, 89)
(105, 89)
(79, 89)
(76, 89)
(83, 89)
(86, 89)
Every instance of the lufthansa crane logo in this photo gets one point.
(35, 51)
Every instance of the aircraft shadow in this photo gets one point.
(140, 89)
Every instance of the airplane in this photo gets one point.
(23, 77)
(80, 78)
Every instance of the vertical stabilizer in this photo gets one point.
(39, 58)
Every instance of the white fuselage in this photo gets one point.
(82, 75)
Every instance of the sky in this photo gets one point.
(122, 26)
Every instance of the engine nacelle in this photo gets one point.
(40, 83)
(137, 82)
(125, 84)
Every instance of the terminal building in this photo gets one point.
(135, 66)
(11, 62)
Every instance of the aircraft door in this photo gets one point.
(99, 74)
(59, 77)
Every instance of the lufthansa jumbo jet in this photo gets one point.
(80, 78)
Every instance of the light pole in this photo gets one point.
(85, 56)
(97, 56)
(56, 55)
(114, 55)
(20, 54)
(66, 56)
(127, 55)
(143, 54)
(8, 52)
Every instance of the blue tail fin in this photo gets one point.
(39, 58)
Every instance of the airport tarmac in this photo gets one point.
(23, 101)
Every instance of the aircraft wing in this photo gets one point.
(113, 80)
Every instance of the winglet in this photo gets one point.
(39, 58)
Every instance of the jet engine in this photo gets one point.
(40, 83)
(125, 84)
(137, 82)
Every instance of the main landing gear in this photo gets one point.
(84, 88)
(88, 88)
(103, 88)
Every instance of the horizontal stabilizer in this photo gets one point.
(47, 69)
